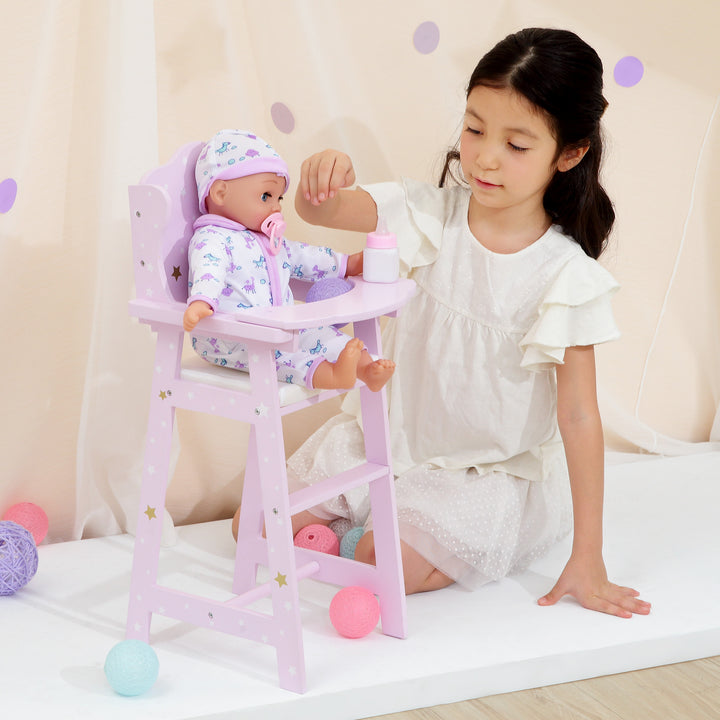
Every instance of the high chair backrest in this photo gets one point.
(163, 208)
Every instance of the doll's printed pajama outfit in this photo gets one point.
(232, 268)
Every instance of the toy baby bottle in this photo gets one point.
(381, 260)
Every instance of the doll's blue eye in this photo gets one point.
(265, 196)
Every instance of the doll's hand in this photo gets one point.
(587, 582)
(354, 264)
(194, 313)
(323, 174)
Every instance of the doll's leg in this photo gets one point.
(343, 372)
(327, 360)
(420, 575)
(335, 344)
(374, 373)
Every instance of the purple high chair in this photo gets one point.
(163, 208)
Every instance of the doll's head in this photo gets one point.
(234, 154)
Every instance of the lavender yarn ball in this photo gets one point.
(349, 542)
(340, 527)
(18, 557)
(327, 288)
(131, 667)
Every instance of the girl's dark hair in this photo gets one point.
(562, 75)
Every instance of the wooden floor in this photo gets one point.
(686, 691)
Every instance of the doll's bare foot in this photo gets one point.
(376, 373)
(343, 372)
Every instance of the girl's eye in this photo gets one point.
(472, 131)
(516, 148)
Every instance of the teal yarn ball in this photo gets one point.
(131, 667)
(349, 542)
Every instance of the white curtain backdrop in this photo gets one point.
(96, 92)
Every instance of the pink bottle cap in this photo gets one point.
(381, 238)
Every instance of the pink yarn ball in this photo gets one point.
(31, 517)
(318, 537)
(354, 612)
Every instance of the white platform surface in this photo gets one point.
(662, 537)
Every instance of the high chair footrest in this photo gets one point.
(211, 614)
(332, 487)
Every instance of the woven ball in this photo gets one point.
(318, 537)
(31, 517)
(327, 288)
(131, 667)
(350, 541)
(18, 557)
(340, 527)
(354, 612)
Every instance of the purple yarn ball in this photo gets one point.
(18, 557)
(327, 288)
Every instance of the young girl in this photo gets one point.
(493, 402)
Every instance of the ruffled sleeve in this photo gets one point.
(416, 213)
(575, 311)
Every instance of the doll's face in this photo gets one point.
(247, 200)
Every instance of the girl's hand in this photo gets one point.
(323, 174)
(587, 582)
(194, 313)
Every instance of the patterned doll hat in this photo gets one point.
(231, 154)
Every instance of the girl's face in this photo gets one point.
(507, 150)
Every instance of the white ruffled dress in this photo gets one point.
(481, 479)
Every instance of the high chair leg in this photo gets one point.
(388, 558)
(250, 542)
(269, 460)
(156, 470)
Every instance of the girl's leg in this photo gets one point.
(420, 575)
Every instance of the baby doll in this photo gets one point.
(239, 259)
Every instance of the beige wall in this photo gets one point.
(93, 94)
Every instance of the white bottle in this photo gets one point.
(381, 260)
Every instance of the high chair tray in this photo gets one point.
(364, 302)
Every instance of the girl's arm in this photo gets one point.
(322, 197)
(584, 576)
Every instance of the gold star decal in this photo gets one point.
(163, 395)
(150, 512)
(176, 272)
(281, 580)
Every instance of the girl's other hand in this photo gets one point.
(323, 174)
(587, 582)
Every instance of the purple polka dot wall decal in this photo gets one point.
(8, 193)
(628, 71)
(282, 117)
(426, 37)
